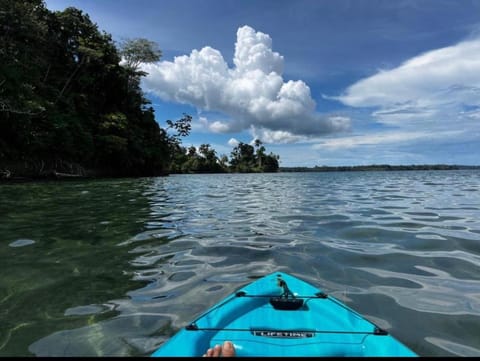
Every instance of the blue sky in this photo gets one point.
(320, 82)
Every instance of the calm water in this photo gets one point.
(114, 267)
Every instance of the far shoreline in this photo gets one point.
(378, 167)
(57, 176)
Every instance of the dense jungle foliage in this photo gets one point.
(69, 106)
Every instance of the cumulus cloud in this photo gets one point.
(253, 93)
(442, 84)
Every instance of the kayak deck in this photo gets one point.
(256, 319)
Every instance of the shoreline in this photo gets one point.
(34, 175)
(379, 168)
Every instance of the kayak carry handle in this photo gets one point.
(286, 291)
(287, 300)
(286, 304)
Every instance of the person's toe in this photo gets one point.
(209, 352)
(228, 350)
(217, 351)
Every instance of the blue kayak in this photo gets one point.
(282, 315)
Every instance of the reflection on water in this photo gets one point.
(115, 267)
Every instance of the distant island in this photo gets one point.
(377, 167)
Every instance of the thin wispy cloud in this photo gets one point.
(252, 94)
(441, 85)
(392, 137)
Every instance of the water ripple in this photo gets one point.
(402, 248)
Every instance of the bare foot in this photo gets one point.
(226, 350)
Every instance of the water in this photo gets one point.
(115, 267)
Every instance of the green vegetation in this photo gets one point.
(68, 106)
(243, 157)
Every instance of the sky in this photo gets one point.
(319, 82)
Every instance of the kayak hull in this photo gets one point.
(281, 315)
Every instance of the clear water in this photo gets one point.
(115, 267)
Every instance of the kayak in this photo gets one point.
(282, 315)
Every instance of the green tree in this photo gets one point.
(192, 151)
(65, 98)
(209, 161)
(242, 158)
(223, 161)
(137, 51)
(270, 163)
(260, 153)
(181, 128)
(23, 28)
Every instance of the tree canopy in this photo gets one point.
(139, 50)
(243, 159)
(65, 100)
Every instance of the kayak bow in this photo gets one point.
(282, 315)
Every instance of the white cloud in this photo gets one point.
(233, 142)
(275, 136)
(253, 51)
(435, 86)
(252, 93)
(219, 127)
(391, 137)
